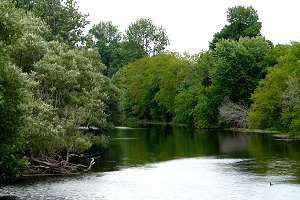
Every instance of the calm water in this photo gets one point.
(176, 163)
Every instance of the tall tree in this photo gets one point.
(243, 22)
(107, 38)
(62, 16)
(236, 71)
(70, 91)
(114, 51)
(14, 89)
(149, 37)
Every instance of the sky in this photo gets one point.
(191, 24)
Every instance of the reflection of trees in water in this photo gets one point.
(261, 154)
(234, 144)
(271, 157)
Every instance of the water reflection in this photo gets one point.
(134, 147)
(164, 162)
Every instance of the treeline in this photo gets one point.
(53, 79)
(51, 83)
(243, 80)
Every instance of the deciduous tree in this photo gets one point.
(243, 22)
(150, 38)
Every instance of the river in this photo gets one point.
(164, 162)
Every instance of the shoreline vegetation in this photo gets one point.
(276, 134)
(58, 169)
(57, 84)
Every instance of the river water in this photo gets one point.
(164, 162)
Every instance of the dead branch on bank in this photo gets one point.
(52, 166)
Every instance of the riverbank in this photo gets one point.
(276, 134)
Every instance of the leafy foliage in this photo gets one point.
(62, 16)
(150, 85)
(236, 70)
(114, 51)
(153, 40)
(48, 89)
(14, 98)
(73, 92)
(243, 22)
(276, 100)
(106, 37)
(142, 38)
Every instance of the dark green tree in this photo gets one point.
(115, 52)
(14, 89)
(106, 38)
(152, 39)
(236, 71)
(243, 22)
(125, 53)
(14, 101)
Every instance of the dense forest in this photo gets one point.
(55, 79)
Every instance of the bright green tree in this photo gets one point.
(194, 80)
(276, 100)
(150, 85)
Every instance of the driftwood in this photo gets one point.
(52, 166)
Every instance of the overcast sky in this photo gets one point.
(190, 24)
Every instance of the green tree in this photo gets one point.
(243, 22)
(14, 100)
(24, 34)
(150, 85)
(236, 71)
(152, 39)
(106, 37)
(276, 100)
(14, 89)
(125, 53)
(115, 52)
(62, 16)
(196, 80)
(70, 91)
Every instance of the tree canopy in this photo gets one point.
(49, 86)
(243, 22)
(142, 38)
(150, 38)
(62, 17)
